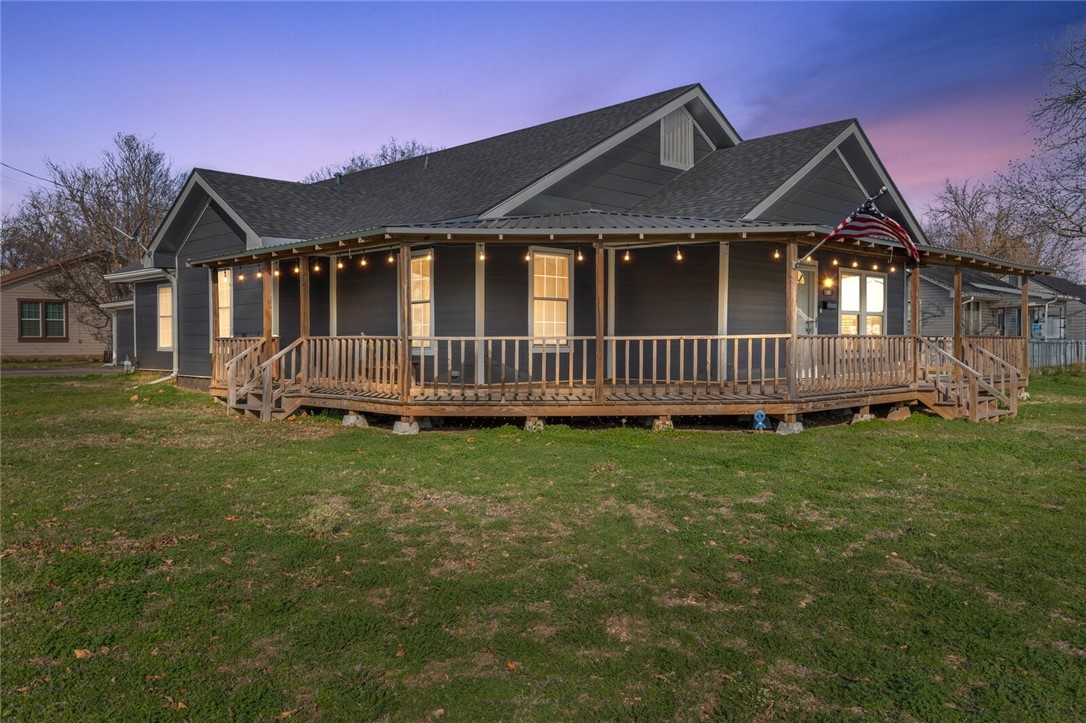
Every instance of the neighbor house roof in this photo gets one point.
(1066, 287)
(730, 182)
(23, 274)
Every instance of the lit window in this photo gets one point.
(225, 303)
(550, 297)
(165, 318)
(421, 299)
(42, 320)
(863, 303)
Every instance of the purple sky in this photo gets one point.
(279, 89)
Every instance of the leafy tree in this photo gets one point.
(103, 216)
(389, 152)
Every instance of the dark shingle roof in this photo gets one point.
(974, 283)
(1065, 287)
(460, 181)
(593, 220)
(730, 182)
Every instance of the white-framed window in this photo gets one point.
(165, 317)
(422, 307)
(225, 303)
(677, 140)
(43, 320)
(863, 303)
(552, 295)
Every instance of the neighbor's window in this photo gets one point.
(550, 297)
(225, 303)
(863, 303)
(165, 318)
(677, 140)
(421, 298)
(43, 320)
(971, 318)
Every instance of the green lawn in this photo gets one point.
(163, 560)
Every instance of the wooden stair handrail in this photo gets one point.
(974, 379)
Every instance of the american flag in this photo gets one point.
(868, 221)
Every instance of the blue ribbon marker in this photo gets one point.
(759, 420)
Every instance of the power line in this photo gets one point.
(40, 178)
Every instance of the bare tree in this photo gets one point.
(389, 152)
(1052, 182)
(93, 220)
(982, 218)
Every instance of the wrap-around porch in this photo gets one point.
(605, 374)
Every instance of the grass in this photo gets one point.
(162, 560)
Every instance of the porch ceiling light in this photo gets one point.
(874, 267)
(391, 257)
(580, 256)
(828, 282)
(835, 262)
(297, 269)
(528, 255)
(259, 274)
(776, 254)
(241, 277)
(893, 269)
(363, 263)
(339, 264)
(317, 266)
(626, 256)
(678, 253)
(855, 264)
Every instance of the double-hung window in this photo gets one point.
(225, 303)
(863, 303)
(550, 296)
(43, 320)
(422, 287)
(165, 317)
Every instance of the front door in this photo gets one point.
(807, 300)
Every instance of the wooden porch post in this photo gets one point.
(405, 321)
(914, 301)
(1023, 323)
(303, 297)
(790, 296)
(958, 312)
(600, 340)
(266, 293)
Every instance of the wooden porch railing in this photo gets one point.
(956, 382)
(226, 348)
(1010, 349)
(696, 366)
(841, 363)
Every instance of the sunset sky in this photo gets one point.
(280, 89)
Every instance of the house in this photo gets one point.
(639, 259)
(38, 324)
(1063, 312)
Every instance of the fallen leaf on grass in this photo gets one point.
(287, 714)
(81, 653)
(231, 518)
(511, 665)
(744, 558)
(227, 560)
(134, 398)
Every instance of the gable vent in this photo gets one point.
(677, 140)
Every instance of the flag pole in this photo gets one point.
(840, 226)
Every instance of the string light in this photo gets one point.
(678, 253)
(855, 264)
(339, 264)
(528, 256)
(317, 266)
(391, 258)
(835, 262)
(626, 256)
(482, 252)
(776, 254)
(874, 267)
(580, 256)
(241, 277)
(363, 262)
(430, 255)
(297, 269)
(276, 272)
(259, 274)
(893, 269)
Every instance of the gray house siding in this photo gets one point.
(248, 302)
(319, 307)
(366, 298)
(616, 181)
(214, 232)
(126, 335)
(146, 327)
(657, 295)
(755, 290)
(826, 195)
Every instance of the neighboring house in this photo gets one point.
(37, 325)
(638, 259)
(1064, 315)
